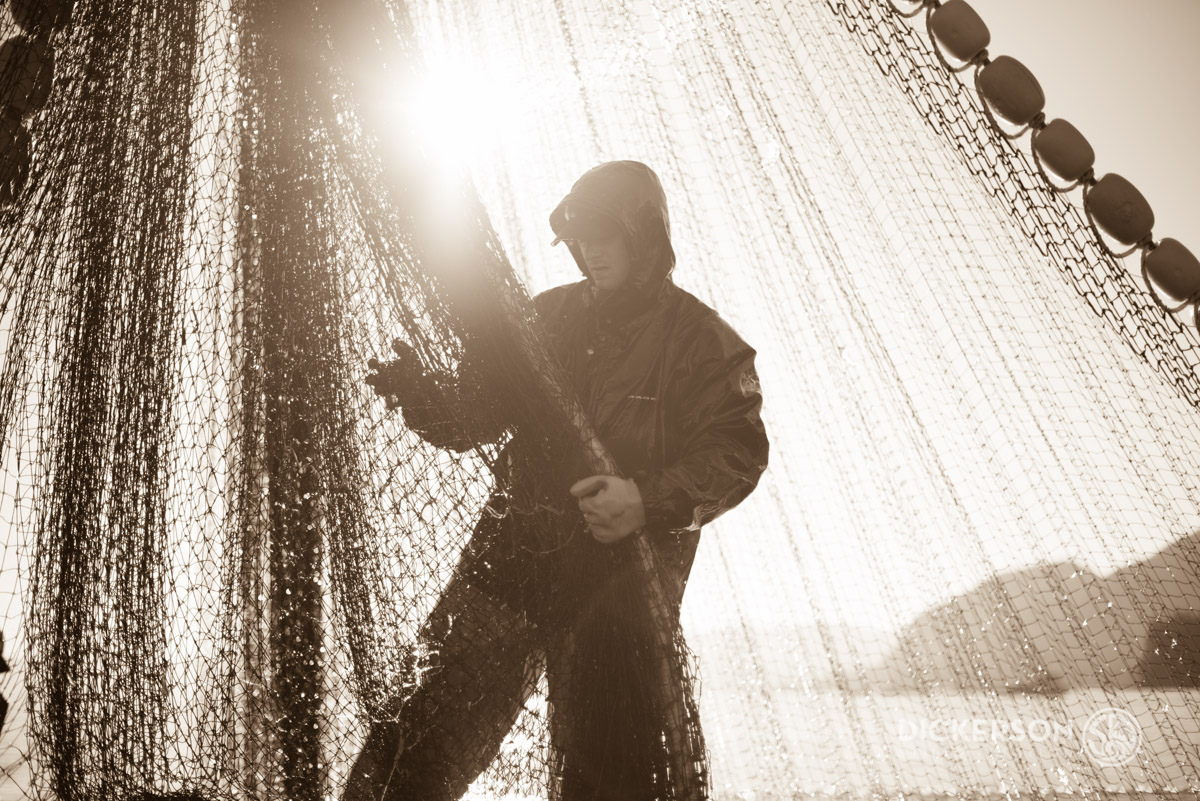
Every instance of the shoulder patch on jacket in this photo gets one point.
(749, 381)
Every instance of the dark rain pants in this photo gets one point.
(488, 653)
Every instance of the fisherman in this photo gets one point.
(671, 391)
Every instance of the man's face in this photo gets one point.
(609, 262)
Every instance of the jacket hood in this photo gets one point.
(629, 194)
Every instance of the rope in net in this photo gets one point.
(231, 571)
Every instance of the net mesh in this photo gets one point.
(232, 571)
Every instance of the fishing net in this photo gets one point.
(232, 571)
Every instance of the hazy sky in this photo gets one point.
(1127, 75)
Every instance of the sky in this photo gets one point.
(1127, 75)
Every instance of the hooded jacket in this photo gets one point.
(669, 386)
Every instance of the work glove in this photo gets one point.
(398, 381)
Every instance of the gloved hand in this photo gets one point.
(611, 506)
(396, 380)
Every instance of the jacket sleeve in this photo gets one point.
(431, 396)
(431, 419)
(723, 452)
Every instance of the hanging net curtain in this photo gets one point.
(970, 569)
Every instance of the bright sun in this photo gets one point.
(457, 111)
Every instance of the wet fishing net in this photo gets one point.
(232, 571)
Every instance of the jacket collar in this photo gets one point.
(625, 304)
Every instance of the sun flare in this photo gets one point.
(459, 109)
